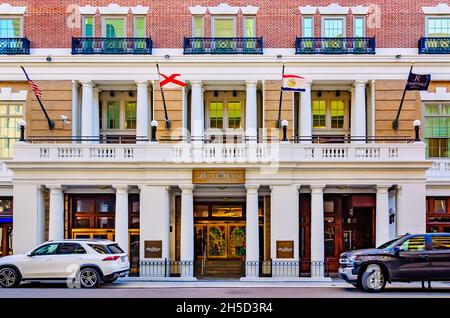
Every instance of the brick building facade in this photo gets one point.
(282, 202)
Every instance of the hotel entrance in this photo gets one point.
(219, 239)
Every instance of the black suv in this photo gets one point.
(418, 257)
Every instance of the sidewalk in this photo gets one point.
(136, 282)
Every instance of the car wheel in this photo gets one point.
(9, 277)
(89, 278)
(373, 279)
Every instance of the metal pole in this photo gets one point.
(281, 100)
(395, 123)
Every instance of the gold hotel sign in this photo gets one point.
(218, 176)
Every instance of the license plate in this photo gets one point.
(123, 259)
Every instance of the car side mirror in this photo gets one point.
(30, 254)
(398, 249)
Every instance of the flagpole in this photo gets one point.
(51, 123)
(395, 123)
(168, 123)
(281, 99)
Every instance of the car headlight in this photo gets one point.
(354, 258)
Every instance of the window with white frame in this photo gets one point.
(88, 26)
(437, 130)
(224, 27)
(10, 27)
(139, 30)
(113, 27)
(197, 26)
(249, 26)
(359, 27)
(307, 27)
(118, 113)
(333, 27)
(10, 116)
(330, 112)
(438, 27)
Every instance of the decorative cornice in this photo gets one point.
(308, 10)
(441, 8)
(249, 10)
(88, 10)
(6, 94)
(198, 10)
(114, 8)
(333, 8)
(441, 94)
(360, 10)
(139, 10)
(6, 8)
(223, 8)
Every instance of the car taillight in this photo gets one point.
(111, 258)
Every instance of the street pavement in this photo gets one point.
(224, 289)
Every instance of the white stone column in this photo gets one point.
(252, 232)
(187, 231)
(382, 215)
(29, 217)
(317, 232)
(197, 111)
(305, 114)
(251, 112)
(56, 214)
(359, 111)
(284, 222)
(75, 119)
(87, 118)
(154, 228)
(121, 222)
(411, 208)
(142, 117)
(96, 114)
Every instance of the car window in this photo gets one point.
(441, 242)
(49, 249)
(101, 249)
(389, 243)
(71, 248)
(115, 249)
(414, 244)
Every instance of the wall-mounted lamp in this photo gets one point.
(154, 125)
(49, 58)
(22, 124)
(234, 93)
(391, 216)
(284, 125)
(130, 93)
(319, 94)
(398, 56)
(111, 93)
(338, 93)
(416, 125)
(65, 120)
(167, 56)
(216, 93)
(279, 56)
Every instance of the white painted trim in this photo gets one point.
(360, 10)
(139, 10)
(223, 8)
(114, 8)
(334, 8)
(441, 94)
(87, 10)
(308, 10)
(198, 10)
(6, 95)
(249, 10)
(6, 8)
(441, 8)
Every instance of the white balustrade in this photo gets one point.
(227, 153)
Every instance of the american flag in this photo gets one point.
(36, 89)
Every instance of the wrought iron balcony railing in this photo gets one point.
(14, 46)
(439, 45)
(335, 46)
(223, 45)
(112, 46)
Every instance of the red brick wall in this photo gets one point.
(278, 21)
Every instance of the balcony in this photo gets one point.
(136, 46)
(223, 45)
(335, 46)
(434, 45)
(14, 46)
(261, 153)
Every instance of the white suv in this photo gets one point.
(82, 263)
